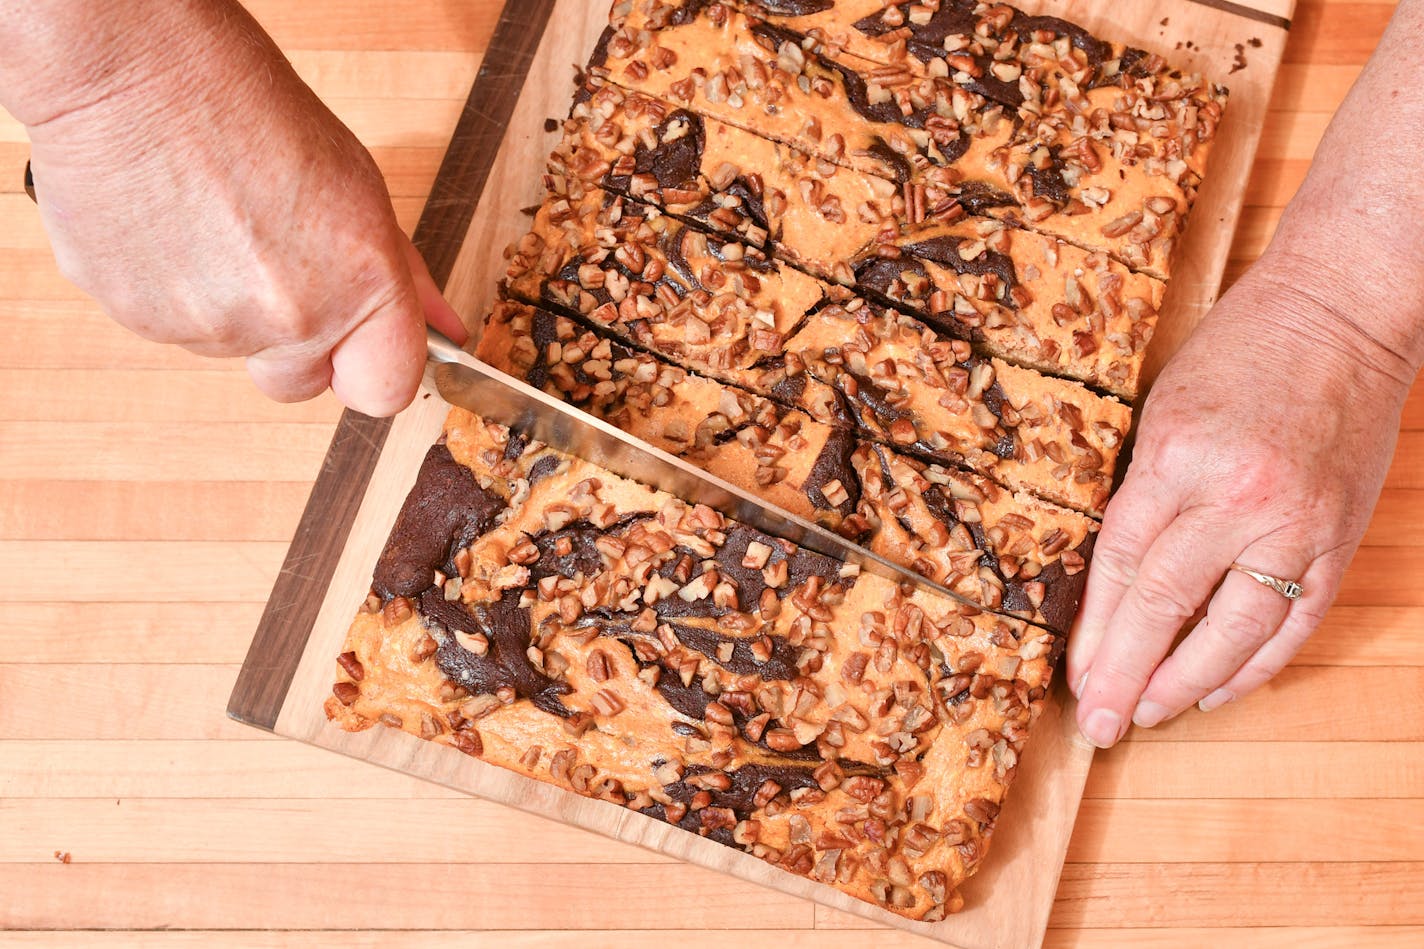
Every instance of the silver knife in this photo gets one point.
(465, 381)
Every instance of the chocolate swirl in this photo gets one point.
(445, 510)
(508, 628)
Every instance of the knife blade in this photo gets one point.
(465, 381)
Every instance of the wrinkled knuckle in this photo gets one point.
(303, 327)
(1242, 631)
(306, 326)
(1173, 443)
(286, 375)
(1160, 597)
(1112, 557)
(272, 312)
(1129, 509)
(384, 297)
(1177, 682)
(370, 275)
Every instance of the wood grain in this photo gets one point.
(159, 510)
(181, 770)
(128, 450)
(1031, 844)
(669, 897)
(133, 632)
(147, 728)
(141, 702)
(243, 830)
(486, 895)
(823, 938)
(1316, 937)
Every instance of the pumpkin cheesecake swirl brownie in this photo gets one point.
(1069, 311)
(1003, 552)
(1103, 112)
(990, 47)
(1037, 300)
(718, 306)
(865, 260)
(725, 65)
(911, 389)
(729, 312)
(1113, 168)
(1025, 61)
(543, 615)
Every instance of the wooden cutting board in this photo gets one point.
(491, 173)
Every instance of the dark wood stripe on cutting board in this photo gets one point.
(479, 134)
(331, 508)
(1250, 13)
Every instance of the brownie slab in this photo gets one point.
(1125, 127)
(1012, 295)
(545, 616)
(1019, 59)
(1001, 551)
(725, 65)
(911, 389)
(1113, 168)
(842, 253)
(727, 311)
(1041, 301)
(716, 305)
(808, 211)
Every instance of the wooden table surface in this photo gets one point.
(146, 501)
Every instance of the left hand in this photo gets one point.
(1265, 441)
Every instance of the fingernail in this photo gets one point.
(1215, 700)
(1149, 714)
(1103, 727)
(1080, 686)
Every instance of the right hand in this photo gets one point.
(1265, 441)
(206, 197)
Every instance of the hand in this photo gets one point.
(205, 196)
(1265, 441)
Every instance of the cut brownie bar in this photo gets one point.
(545, 616)
(934, 513)
(790, 459)
(914, 390)
(1041, 301)
(808, 211)
(727, 311)
(747, 73)
(1004, 54)
(1089, 101)
(1003, 552)
(1027, 297)
(713, 304)
(1113, 167)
